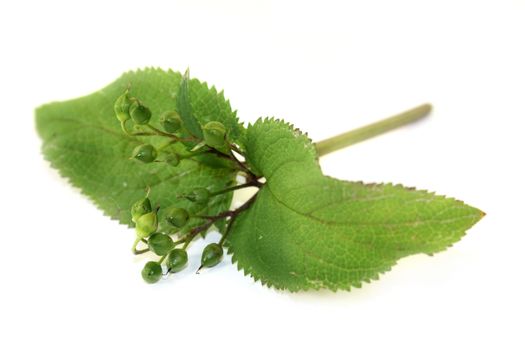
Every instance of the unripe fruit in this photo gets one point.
(176, 260)
(199, 195)
(139, 113)
(171, 121)
(173, 160)
(144, 153)
(177, 217)
(146, 225)
(211, 255)
(214, 134)
(121, 107)
(140, 208)
(152, 272)
(160, 244)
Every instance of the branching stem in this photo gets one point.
(210, 220)
(139, 251)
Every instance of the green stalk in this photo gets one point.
(354, 136)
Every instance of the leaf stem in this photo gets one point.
(354, 136)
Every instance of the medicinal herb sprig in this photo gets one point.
(164, 153)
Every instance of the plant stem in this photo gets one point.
(167, 144)
(165, 134)
(232, 158)
(230, 223)
(354, 136)
(180, 241)
(160, 132)
(238, 187)
(196, 230)
(212, 219)
(135, 250)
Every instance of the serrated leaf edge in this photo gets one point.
(316, 286)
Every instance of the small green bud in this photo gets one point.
(146, 225)
(173, 160)
(171, 121)
(160, 244)
(199, 195)
(121, 107)
(214, 134)
(211, 255)
(140, 208)
(176, 260)
(139, 113)
(152, 272)
(177, 217)
(144, 153)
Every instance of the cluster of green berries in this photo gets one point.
(161, 244)
(128, 108)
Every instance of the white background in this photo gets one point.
(68, 278)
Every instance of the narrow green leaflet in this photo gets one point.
(184, 106)
(84, 141)
(309, 231)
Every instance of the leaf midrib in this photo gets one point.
(383, 224)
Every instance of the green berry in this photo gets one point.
(121, 107)
(146, 225)
(176, 260)
(177, 217)
(199, 195)
(140, 208)
(144, 153)
(211, 255)
(214, 134)
(173, 160)
(152, 272)
(139, 113)
(160, 244)
(171, 121)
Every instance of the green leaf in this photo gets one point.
(207, 104)
(185, 109)
(309, 231)
(82, 138)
